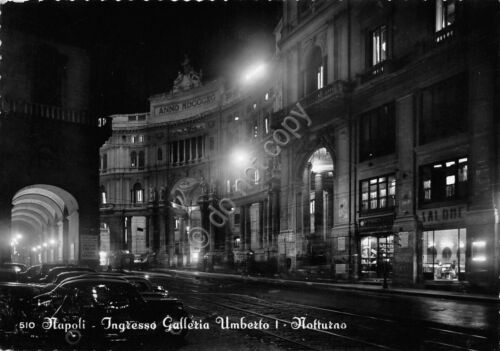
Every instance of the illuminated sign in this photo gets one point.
(185, 105)
(441, 215)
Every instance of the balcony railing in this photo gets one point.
(335, 90)
(444, 34)
(376, 71)
(45, 111)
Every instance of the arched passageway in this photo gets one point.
(45, 225)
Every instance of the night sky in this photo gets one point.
(136, 47)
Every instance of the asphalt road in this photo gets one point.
(359, 320)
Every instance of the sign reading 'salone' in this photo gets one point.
(180, 106)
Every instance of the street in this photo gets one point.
(312, 319)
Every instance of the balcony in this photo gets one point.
(444, 34)
(333, 91)
(45, 111)
(379, 69)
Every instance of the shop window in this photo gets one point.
(445, 13)
(378, 193)
(378, 38)
(444, 254)
(444, 181)
(133, 159)
(443, 112)
(377, 132)
(478, 251)
(377, 254)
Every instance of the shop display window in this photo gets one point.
(375, 253)
(443, 254)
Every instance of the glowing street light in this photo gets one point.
(240, 157)
(254, 72)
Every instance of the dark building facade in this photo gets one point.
(49, 149)
(373, 149)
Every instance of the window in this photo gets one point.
(312, 211)
(138, 194)
(228, 186)
(237, 242)
(266, 124)
(133, 159)
(378, 193)
(377, 132)
(212, 143)
(104, 162)
(319, 77)
(443, 257)
(103, 195)
(159, 154)
(378, 45)
(314, 72)
(141, 160)
(444, 110)
(445, 13)
(444, 181)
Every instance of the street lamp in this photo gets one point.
(254, 73)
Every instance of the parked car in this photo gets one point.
(15, 306)
(145, 287)
(97, 300)
(18, 267)
(54, 272)
(34, 273)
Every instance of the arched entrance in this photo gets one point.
(185, 214)
(315, 207)
(45, 225)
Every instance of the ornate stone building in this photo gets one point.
(402, 102)
(164, 173)
(380, 158)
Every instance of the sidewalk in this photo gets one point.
(339, 286)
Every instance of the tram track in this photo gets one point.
(372, 329)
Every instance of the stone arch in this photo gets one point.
(53, 215)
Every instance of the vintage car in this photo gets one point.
(95, 307)
(15, 306)
(54, 272)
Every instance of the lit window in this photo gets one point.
(103, 195)
(427, 189)
(141, 138)
(450, 186)
(378, 193)
(133, 139)
(138, 194)
(133, 159)
(254, 105)
(267, 96)
(319, 77)
(379, 45)
(444, 181)
(266, 124)
(237, 242)
(445, 13)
